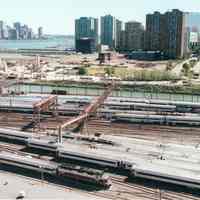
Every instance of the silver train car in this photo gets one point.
(82, 157)
(171, 106)
(141, 107)
(15, 135)
(141, 118)
(46, 145)
(62, 153)
(166, 178)
(97, 160)
(27, 162)
(158, 119)
(185, 120)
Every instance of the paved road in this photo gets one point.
(196, 68)
(11, 185)
(177, 70)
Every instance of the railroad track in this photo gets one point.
(11, 147)
(120, 190)
(11, 119)
(16, 149)
(151, 193)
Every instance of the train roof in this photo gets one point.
(15, 132)
(27, 160)
(51, 142)
(141, 158)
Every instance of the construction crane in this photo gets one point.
(88, 111)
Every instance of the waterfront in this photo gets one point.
(52, 42)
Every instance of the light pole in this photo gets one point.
(160, 192)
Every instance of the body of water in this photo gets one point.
(51, 42)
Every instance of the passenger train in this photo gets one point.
(15, 135)
(83, 157)
(157, 119)
(90, 176)
(60, 169)
(166, 178)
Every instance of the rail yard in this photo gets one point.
(102, 147)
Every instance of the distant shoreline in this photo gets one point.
(51, 42)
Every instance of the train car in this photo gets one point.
(176, 103)
(27, 162)
(83, 174)
(153, 107)
(92, 159)
(140, 106)
(46, 145)
(183, 120)
(166, 178)
(91, 139)
(139, 118)
(66, 110)
(15, 135)
(157, 119)
(119, 107)
(88, 158)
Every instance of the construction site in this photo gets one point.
(85, 141)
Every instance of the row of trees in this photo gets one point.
(136, 75)
(152, 75)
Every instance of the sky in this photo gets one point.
(57, 17)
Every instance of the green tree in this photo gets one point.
(169, 66)
(82, 71)
(110, 71)
(186, 69)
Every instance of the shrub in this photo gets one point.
(82, 71)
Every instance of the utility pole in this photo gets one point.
(160, 194)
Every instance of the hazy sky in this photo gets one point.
(57, 16)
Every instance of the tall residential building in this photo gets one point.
(86, 27)
(153, 36)
(17, 32)
(122, 42)
(40, 33)
(17, 27)
(118, 32)
(177, 37)
(1, 30)
(24, 32)
(167, 33)
(110, 31)
(12, 34)
(134, 36)
(6, 32)
(30, 34)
